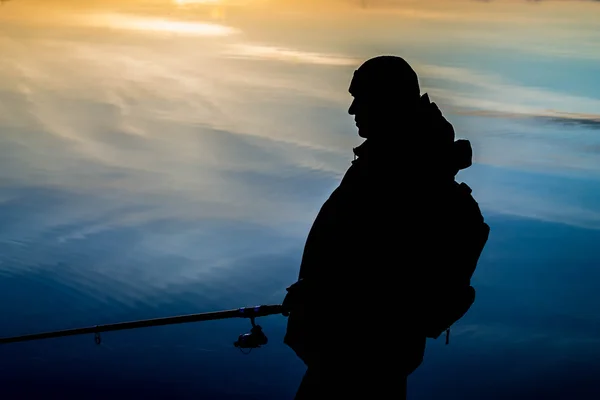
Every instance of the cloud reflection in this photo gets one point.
(491, 91)
(576, 119)
(160, 25)
(288, 55)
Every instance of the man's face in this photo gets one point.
(372, 113)
(374, 108)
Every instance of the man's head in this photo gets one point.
(384, 88)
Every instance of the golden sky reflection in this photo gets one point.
(167, 75)
(164, 25)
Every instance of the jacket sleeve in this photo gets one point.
(323, 250)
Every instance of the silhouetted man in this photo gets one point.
(376, 261)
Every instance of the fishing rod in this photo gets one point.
(251, 340)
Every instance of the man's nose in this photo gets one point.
(352, 109)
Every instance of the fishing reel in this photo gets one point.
(253, 339)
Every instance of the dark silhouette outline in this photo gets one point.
(399, 237)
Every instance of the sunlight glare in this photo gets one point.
(186, 2)
(117, 21)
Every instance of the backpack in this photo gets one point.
(449, 299)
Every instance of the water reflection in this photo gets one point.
(160, 25)
(141, 177)
(186, 2)
(289, 55)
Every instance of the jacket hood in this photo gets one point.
(426, 142)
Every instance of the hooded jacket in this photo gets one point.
(364, 254)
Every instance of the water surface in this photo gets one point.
(161, 158)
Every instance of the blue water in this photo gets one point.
(145, 175)
(532, 332)
(535, 319)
